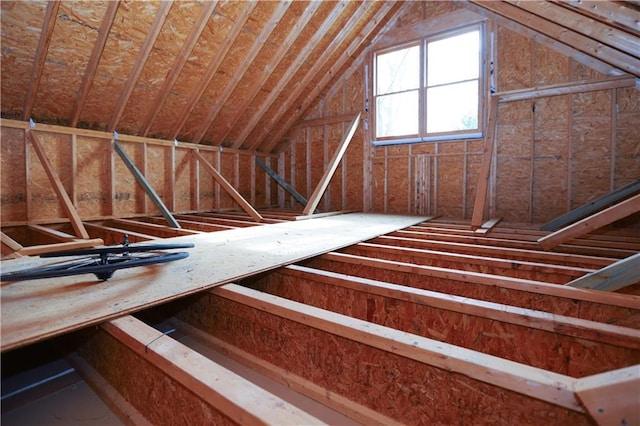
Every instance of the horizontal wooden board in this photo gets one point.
(31, 310)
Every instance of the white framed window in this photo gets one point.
(430, 89)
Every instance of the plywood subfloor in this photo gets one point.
(37, 309)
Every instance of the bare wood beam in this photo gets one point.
(260, 79)
(94, 59)
(283, 183)
(621, 274)
(331, 168)
(592, 207)
(611, 398)
(54, 234)
(322, 121)
(488, 225)
(211, 70)
(615, 13)
(40, 57)
(567, 88)
(228, 188)
(231, 394)
(270, 139)
(287, 76)
(485, 167)
(345, 54)
(183, 56)
(141, 60)
(242, 69)
(10, 242)
(584, 25)
(69, 245)
(564, 35)
(58, 187)
(593, 222)
(142, 181)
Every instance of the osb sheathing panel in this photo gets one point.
(302, 183)
(515, 136)
(44, 201)
(127, 197)
(73, 37)
(551, 158)
(21, 27)
(93, 177)
(245, 164)
(450, 177)
(13, 184)
(627, 158)
(174, 32)
(207, 194)
(378, 186)
(398, 387)
(551, 351)
(540, 302)
(183, 179)
(150, 390)
(129, 30)
(397, 184)
(208, 44)
(513, 61)
(318, 160)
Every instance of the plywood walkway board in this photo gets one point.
(37, 309)
(592, 207)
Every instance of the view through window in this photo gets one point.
(430, 89)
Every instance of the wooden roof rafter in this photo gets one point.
(183, 56)
(40, 57)
(213, 67)
(94, 59)
(565, 35)
(380, 16)
(288, 75)
(285, 46)
(242, 68)
(141, 60)
(613, 13)
(314, 72)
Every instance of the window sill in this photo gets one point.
(442, 138)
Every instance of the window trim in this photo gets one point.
(422, 40)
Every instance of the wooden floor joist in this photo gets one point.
(350, 356)
(465, 322)
(610, 308)
(170, 378)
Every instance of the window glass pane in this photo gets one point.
(397, 115)
(453, 59)
(398, 70)
(453, 107)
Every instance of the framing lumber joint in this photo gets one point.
(229, 188)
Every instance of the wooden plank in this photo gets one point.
(535, 383)
(318, 192)
(40, 57)
(94, 60)
(611, 398)
(591, 223)
(181, 59)
(229, 188)
(488, 226)
(142, 181)
(342, 118)
(58, 187)
(227, 392)
(621, 274)
(10, 242)
(283, 183)
(592, 207)
(52, 233)
(567, 88)
(485, 167)
(141, 60)
(71, 245)
(217, 258)
(616, 58)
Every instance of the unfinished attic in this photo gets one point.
(367, 212)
